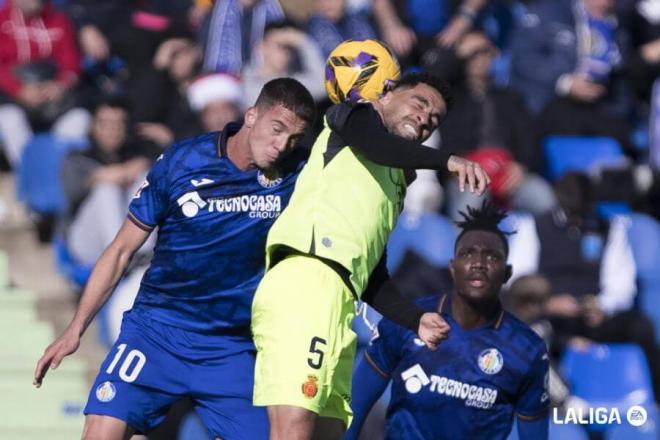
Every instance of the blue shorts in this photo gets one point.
(152, 365)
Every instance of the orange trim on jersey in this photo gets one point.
(139, 224)
(499, 320)
(529, 418)
(442, 303)
(374, 366)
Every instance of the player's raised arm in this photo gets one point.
(390, 130)
(106, 274)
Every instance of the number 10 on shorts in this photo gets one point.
(128, 364)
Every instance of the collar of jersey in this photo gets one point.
(230, 129)
(444, 308)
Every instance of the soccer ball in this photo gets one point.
(360, 69)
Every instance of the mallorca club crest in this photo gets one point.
(490, 361)
(106, 392)
(269, 181)
(310, 388)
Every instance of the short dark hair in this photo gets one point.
(290, 94)
(412, 79)
(280, 24)
(113, 102)
(485, 218)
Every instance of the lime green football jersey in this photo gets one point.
(343, 209)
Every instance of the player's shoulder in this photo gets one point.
(294, 161)
(522, 334)
(338, 114)
(429, 303)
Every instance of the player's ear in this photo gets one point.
(250, 117)
(508, 271)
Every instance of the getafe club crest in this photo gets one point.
(270, 181)
(490, 361)
(106, 392)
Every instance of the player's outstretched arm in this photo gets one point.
(106, 274)
(360, 127)
(368, 385)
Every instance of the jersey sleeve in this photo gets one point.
(360, 126)
(534, 400)
(149, 204)
(384, 353)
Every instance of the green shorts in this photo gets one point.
(301, 323)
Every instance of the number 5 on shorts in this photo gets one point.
(315, 350)
(128, 362)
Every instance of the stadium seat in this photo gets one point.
(38, 181)
(622, 367)
(67, 265)
(576, 153)
(429, 235)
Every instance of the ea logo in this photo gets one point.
(490, 361)
(636, 415)
(106, 392)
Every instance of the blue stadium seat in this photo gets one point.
(38, 173)
(67, 265)
(576, 153)
(611, 375)
(430, 235)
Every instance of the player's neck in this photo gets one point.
(238, 151)
(470, 315)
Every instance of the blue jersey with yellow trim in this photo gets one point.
(212, 221)
(471, 387)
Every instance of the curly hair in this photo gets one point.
(485, 218)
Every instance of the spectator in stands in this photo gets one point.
(526, 299)
(39, 66)
(235, 29)
(167, 115)
(567, 62)
(216, 99)
(284, 51)
(99, 182)
(591, 271)
(332, 24)
(492, 126)
(411, 28)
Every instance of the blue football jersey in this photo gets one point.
(471, 387)
(212, 221)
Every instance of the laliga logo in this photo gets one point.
(581, 415)
(415, 379)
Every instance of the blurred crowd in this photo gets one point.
(92, 91)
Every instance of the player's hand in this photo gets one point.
(432, 330)
(63, 346)
(470, 172)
